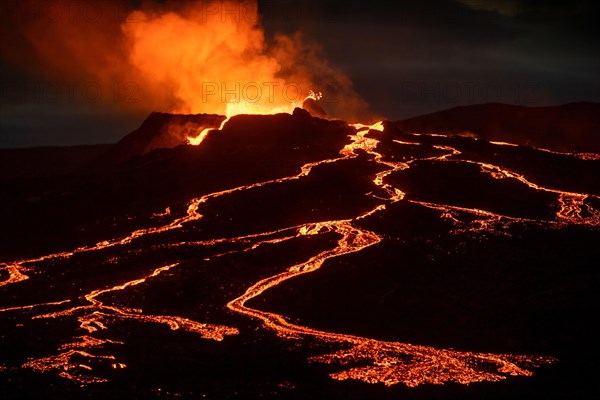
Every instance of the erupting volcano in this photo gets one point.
(251, 243)
(306, 238)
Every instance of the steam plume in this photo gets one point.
(191, 57)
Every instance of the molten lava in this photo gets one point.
(247, 108)
(360, 358)
(193, 59)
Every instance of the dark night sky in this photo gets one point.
(405, 58)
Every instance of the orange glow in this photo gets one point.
(386, 362)
(190, 59)
(247, 108)
(360, 358)
(184, 57)
(205, 58)
(15, 273)
(95, 317)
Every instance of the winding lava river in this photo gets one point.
(360, 358)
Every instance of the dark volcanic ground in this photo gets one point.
(360, 242)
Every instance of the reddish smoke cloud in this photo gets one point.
(189, 57)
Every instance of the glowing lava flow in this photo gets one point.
(369, 145)
(72, 361)
(17, 270)
(386, 362)
(15, 274)
(248, 108)
(389, 363)
(355, 357)
(572, 205)
(581, 156)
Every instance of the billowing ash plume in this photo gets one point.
(188, 57)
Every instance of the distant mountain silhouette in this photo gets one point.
(570, 127)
